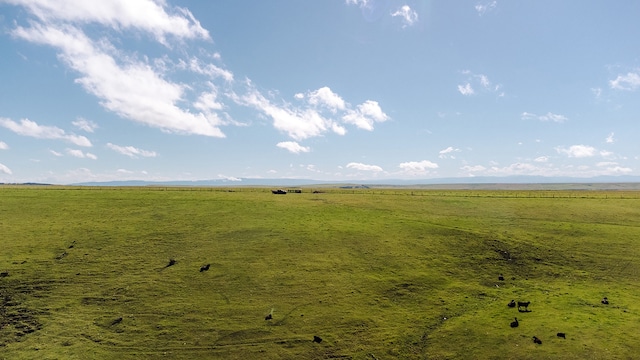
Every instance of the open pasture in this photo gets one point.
(375, 274)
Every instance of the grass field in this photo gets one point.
(376, 274)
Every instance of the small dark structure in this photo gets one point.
(116, 321)
(523, 306)
(317, 339)
(515, 323)
(205, 267)
(537, 341)
(512, 303)
(561, 335)
(268, 317)
(278, 192)
(500, 277)
(295, 191)
(605, 301)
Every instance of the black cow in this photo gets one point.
(562, 335)
(523, 304)
(515, 323)
(512, 303)
(537, 341)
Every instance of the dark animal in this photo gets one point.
(116, 321)
(500, 277)
(204, 267)
(515, 323)
(562, 335)
(512, 303)
(523, 304)
(536, 340)
(317, 339)
(279, 192)
(4, 274)
(171, 262)
(605, 301)
(268, 317)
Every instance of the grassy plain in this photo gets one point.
(377, 274)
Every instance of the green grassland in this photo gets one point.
(377, 274)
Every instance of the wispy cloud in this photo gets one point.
(629, 81)
(547, 117)
(448, 153)
(135, 89)
(293, 147)
(418, 167)
(30, 128)
(408, 15)
(85, 125)
(5, 170)
(317, 116)
(131, 151)
(577, 151)
(479, 81)
(366, 115)
(81, 154)
(148, 16)
(483, 8)
(466, 89)
(3, 145)
(610, 139)
(364, 167)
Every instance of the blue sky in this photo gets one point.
(339, 90)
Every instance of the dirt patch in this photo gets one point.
(16, 320)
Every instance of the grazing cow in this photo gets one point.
(171, 262)
(116, 321)
(268, 317)
(205, 267)
(605, 301)
(523, 304)
(317, 339)
(500, 277)
(515, 323)
(512, 304)
(562, 335)
(537, 341)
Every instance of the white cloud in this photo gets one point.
(418, 167)
(30, 128)
(131, 151)
(208, 101)
(150, 16)
(55, 153)
(364, 167)
(485, 7)
(548, 117)
(325, 97)
(447, 153)
(85, 125)
(629, 81)
(408, 15)
(541, 159)
(210, 70)
(293, 147)
(366, 115)
(466, 89)
(577, 151)
(3, 145)
(475, 168)
(610, 139)
(132, 89)
(81, 154)
(4, 169)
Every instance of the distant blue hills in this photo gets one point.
(288, 182)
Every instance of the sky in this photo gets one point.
(332, 90)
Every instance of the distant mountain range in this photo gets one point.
(631, 181)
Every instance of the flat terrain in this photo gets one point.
(374, 273)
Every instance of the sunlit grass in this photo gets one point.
(374, 273)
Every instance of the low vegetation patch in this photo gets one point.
(187, 273)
